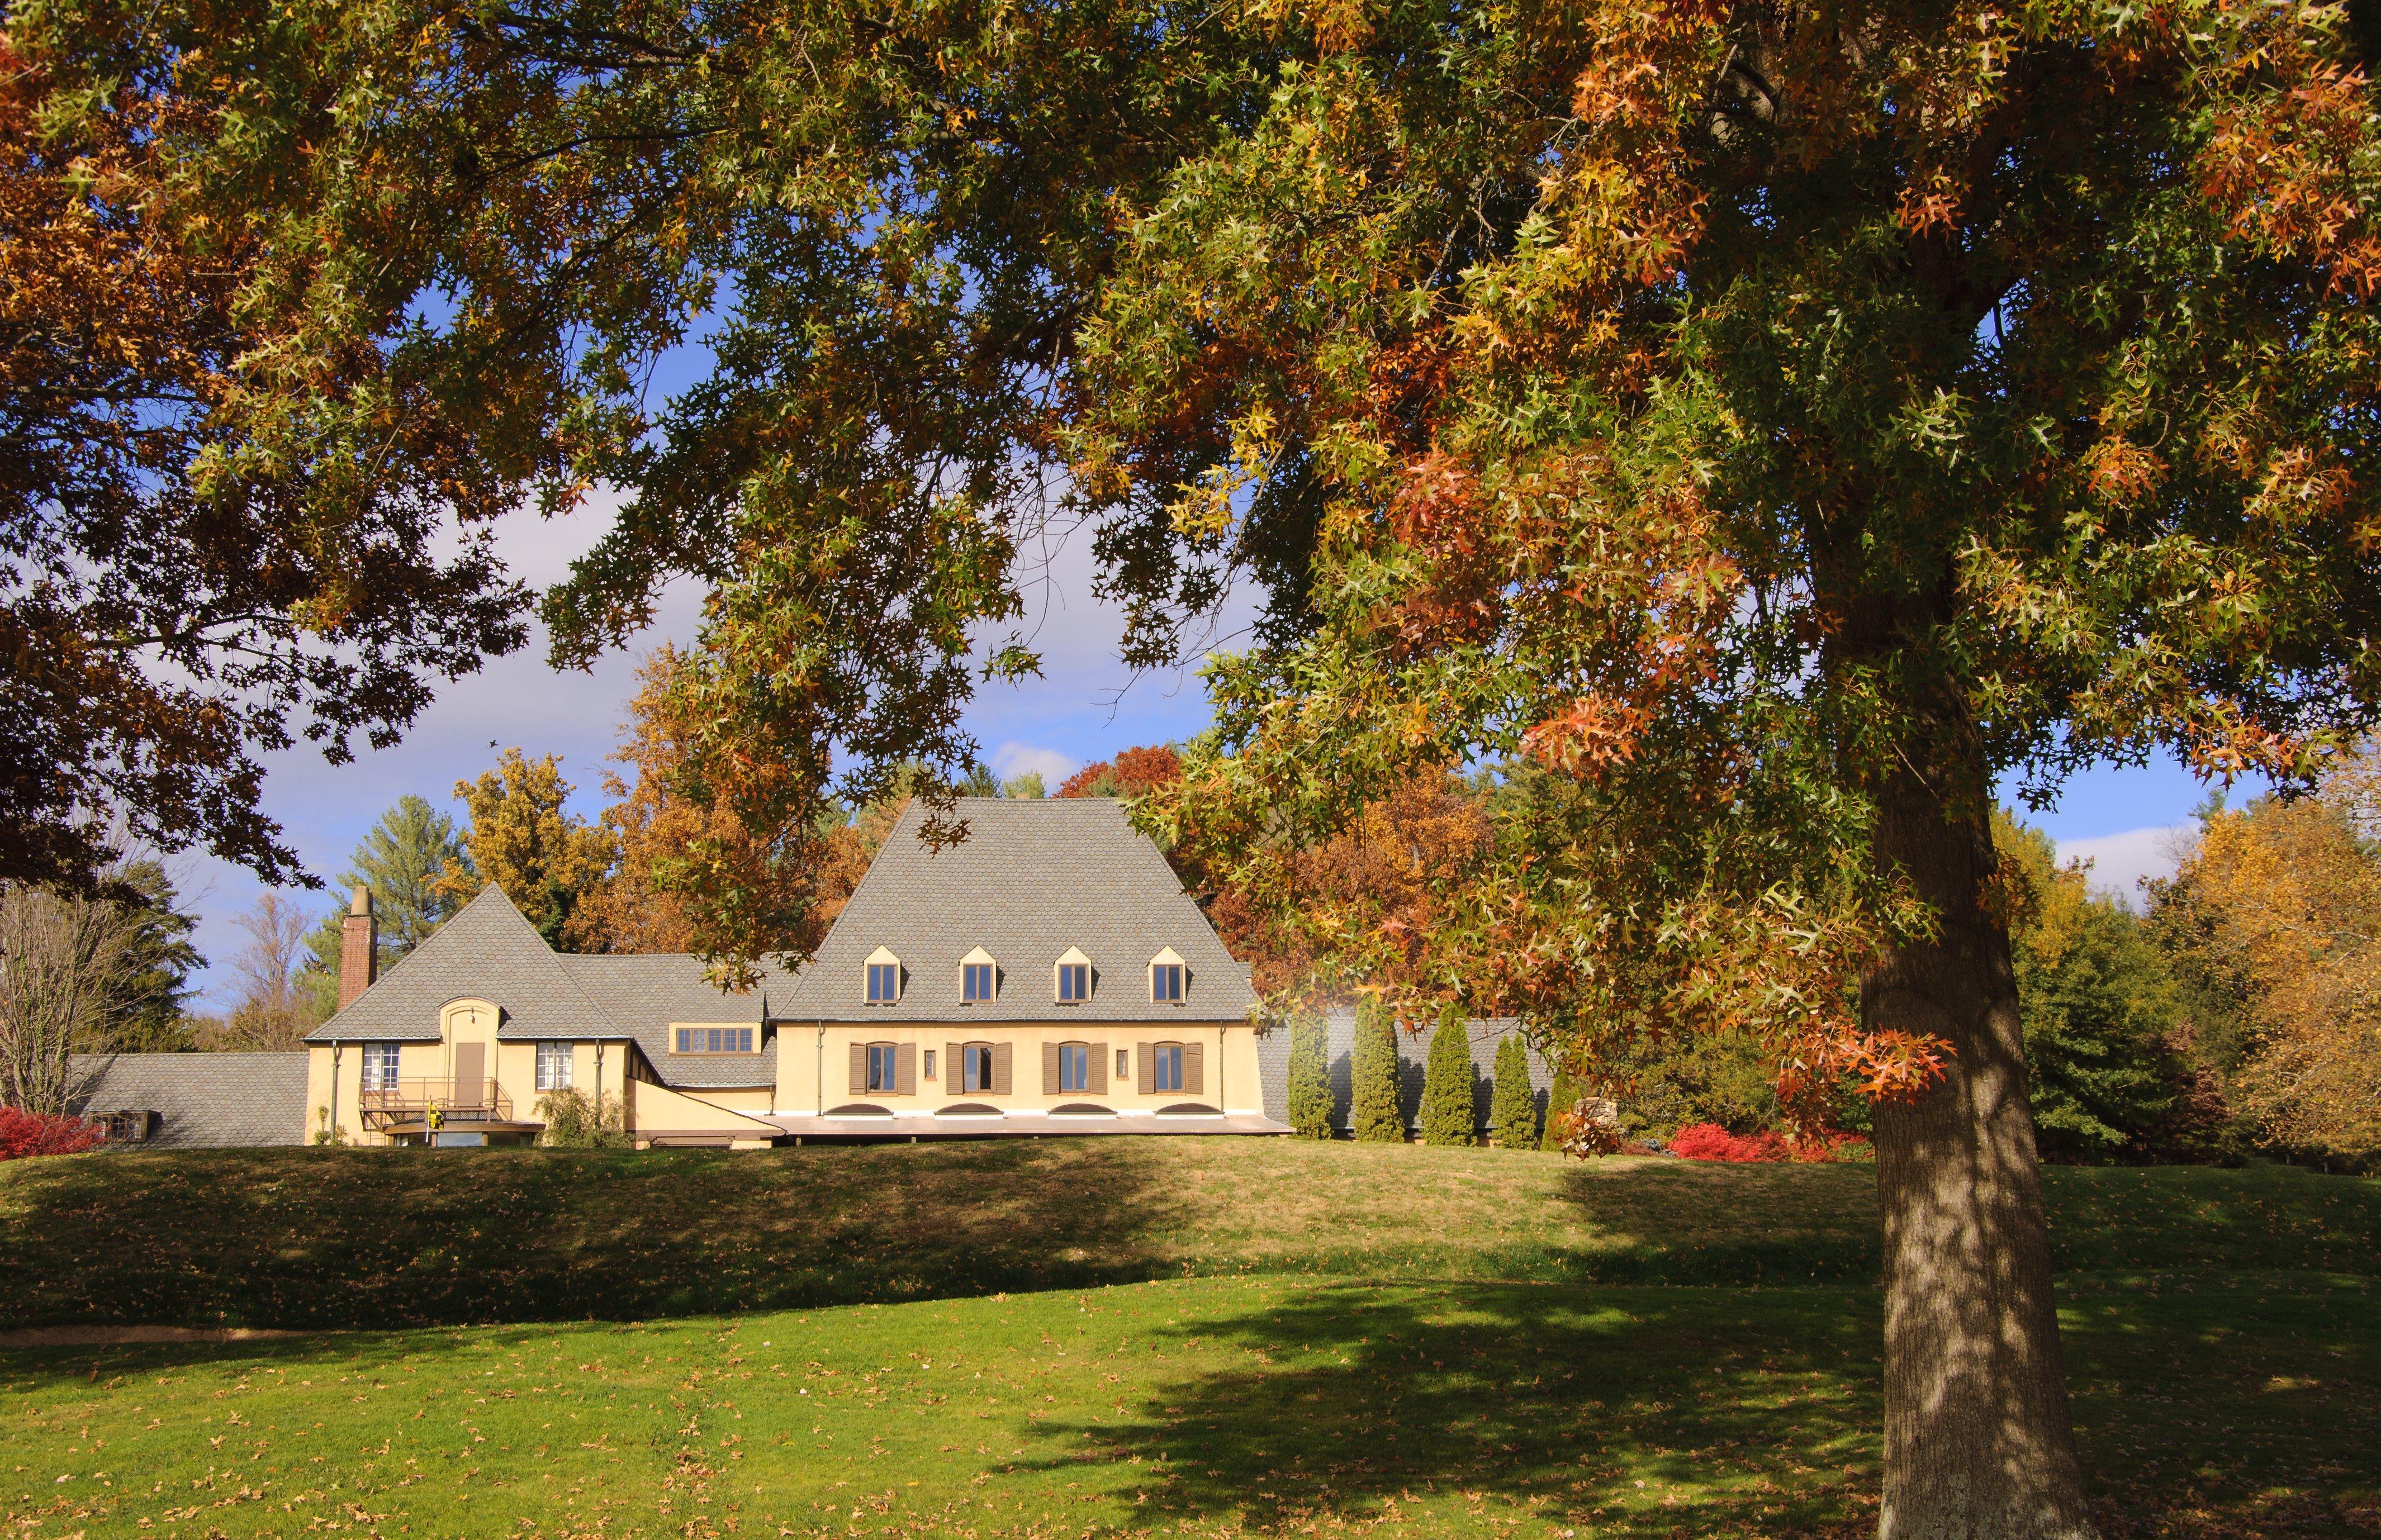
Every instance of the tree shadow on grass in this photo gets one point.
(398, 1239)
(1624, 1411)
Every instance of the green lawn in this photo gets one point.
(310, 1238)
(1348, 1362)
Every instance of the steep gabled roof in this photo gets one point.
(1030, 879)
(490, 953)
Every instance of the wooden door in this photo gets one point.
(471, 1074)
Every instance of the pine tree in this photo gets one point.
(1377, 1117)
(1513, 1106)
(1561, 1098)
(1309, 1078)
(1448, 1116)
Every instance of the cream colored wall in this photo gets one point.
(656, 1109)
(513, 1065)
(1229, 1070)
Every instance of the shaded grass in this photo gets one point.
(316, 1238)
(2211, 1404)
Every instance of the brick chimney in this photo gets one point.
(358, 948)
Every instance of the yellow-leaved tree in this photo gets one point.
(524, 840)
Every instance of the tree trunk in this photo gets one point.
(1979, 1443)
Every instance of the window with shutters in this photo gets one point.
(1165, 1066)
(884, 1068)
(1074, 1066)
(553, 1066)
(714, 1039)
(975, 1068)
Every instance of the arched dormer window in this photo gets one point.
(1166, 971)
(884, 977)
(979, 978)
(1071, 981)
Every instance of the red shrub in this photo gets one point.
(1711, 1142)
(23, 1134)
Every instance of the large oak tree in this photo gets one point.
(1775, 424)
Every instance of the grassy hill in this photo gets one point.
(1125, 1337)
(324, 1239)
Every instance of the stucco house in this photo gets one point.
(1047, 975)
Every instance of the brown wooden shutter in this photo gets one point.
(1194, 1083)
(954, 1070)
(1049, 1069)
(1143, 1067)
(1097, 1083)
(1000, 1069)
(904, 1069)
(859, 1069)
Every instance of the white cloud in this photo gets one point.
(1013, 758)
(2122, 862)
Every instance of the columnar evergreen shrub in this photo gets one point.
(1309, 1078)
(1375, 1113)
(1512, 1108)
(1561, 1098)
(1447, 1116)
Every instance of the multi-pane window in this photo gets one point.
(714, 1039)
(976, 982)
(553, 1066)
(883, 1073)
(975, 1067)
(884, 983)
(1074, 1067)
(1166, 982)
(1074, 983)
(1165, 1066)
(380, 1066)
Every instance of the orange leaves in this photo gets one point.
(2290, 159)
(2121, 470)
(1590, 735)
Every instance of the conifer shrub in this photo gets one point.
(1562, 1096)
(1376, 1116)
(1448, 1115)
(1310, 1077)
(1512, 1107)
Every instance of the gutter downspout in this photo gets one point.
(818, 1077)
(335, 1046)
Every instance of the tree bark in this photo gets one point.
(1979, 1442)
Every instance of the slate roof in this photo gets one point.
(1413, 1052)
(488, 952)
(205, 1101)
(1032, 879)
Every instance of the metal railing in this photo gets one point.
(469, 1101)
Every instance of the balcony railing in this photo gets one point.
(407, 1101)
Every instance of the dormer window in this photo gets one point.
(1072, 984)
(884, 977)
(1166, 977)
(979, 978)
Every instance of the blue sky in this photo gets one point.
(1084, 709)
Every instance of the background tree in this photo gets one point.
(416, 867)
(1133, 772)
(655, 826)
(1376, 1112)
(1310, 1076)
(2284, 898)
(1448, 1086)
(2109, 1073)
(271, 1009)
(1025, 786)
(523, 838)
(69, 964)
(153, 1014)
(1513, 1102)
